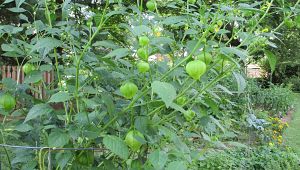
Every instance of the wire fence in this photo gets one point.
(49, 149)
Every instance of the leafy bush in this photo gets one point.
(144, 102)
(275, 99)
(261, 158)
(293, 82)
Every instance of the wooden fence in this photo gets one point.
(16, 73)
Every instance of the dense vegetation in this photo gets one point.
(148, 84)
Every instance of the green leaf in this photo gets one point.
(118, 53)
(142, 123)
(297, 21)
(23, 127)
(158, 159)
(161, 40)
(63, 158)
(59, 97)
(241, 82)
(23, 17)
(7, 1)
(205, 137)
(174, 20)
(7, 47)
(48, 42)
(140, 30)
(176, 165)
(165, 91)
(116, 145)
(108, 164)
(224, 89)
(9, 83)
(38, 110)
(16, 10)
(58, 139)
(19, 3)
(33, 77)
(232, 50)
(177, 107)
(272, 60)
(215, 121)
(106, 44)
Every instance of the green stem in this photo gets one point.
(6, 152)
(145, 90)
(258, 22)
(215, 80)
(56, 62)
(288, 16)
(78, 62)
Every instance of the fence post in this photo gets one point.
(49, 160)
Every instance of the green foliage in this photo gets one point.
(263, 158)
(98, 94)
(275, 99)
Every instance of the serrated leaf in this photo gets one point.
(215, 121)
(165, 91)
(224, 89)
(38, 110)
(158, 159)
(118, 53)
(58, 139)
(176, 165)
(116, 145)
(59, 97)
(7, 47)
(177, 107)
(174, 20)
(33, 77)
(232, 50)
(161, 40)
(140, 30)
(241, 82)
(63, 158)
(23, 127)
(106, 44)
(272, 60)
(205, 136)
(48, 42)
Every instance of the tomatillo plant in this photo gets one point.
(133, 139)
(143, 66)
(128, 90)
(195, 69)
(96, 89)
(7, 102)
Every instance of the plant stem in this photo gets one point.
(145, 90)
(77, 84)
(215, 80)
(288, 16)
(56, 62)
(6, 152)
(258, 22)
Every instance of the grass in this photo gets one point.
(292, 135)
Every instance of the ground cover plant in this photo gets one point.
(149, 84)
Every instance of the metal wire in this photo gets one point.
(51, 148)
